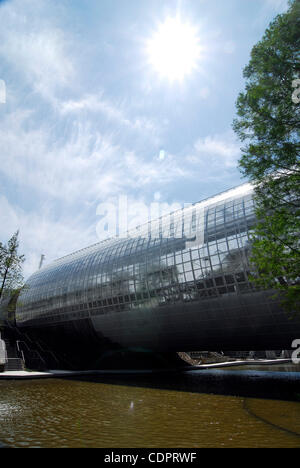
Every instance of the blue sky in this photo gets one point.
(88, 119)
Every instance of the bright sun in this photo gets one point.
(174, 49)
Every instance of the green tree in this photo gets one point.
(10, 265)
(268, 123)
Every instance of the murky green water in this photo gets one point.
(127, 412)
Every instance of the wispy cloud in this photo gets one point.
(114, 112)
(83, 165)
(43, 233)
(221, 150)
(71, 139)
(64, 168)
(35, 48)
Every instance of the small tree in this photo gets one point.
(268, 122)
(10, 265)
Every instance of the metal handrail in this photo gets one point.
(20, 351)
(32, 350)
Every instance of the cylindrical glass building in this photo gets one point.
(179, 283)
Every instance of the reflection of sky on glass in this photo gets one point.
(88, 118)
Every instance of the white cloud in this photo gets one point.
(221, 149)
(74, 156)
(43, 55)
(84, 165)
(69, 151)
(115, 112)
(34, 47)
(41, 234)
(160, 171)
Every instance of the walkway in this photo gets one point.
(19, 375)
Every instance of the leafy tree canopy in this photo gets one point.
(10, 265)
(268, 123)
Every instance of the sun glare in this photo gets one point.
(174, 49)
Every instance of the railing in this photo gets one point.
(30, 355)
(49, 352)
(20, 351)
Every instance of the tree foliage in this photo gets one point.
(10, 265)
(268, 123)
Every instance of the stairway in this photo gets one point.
(23, 352)
(14, 363)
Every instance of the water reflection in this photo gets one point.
(253, 382)
(138, 412)
(269, 368)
